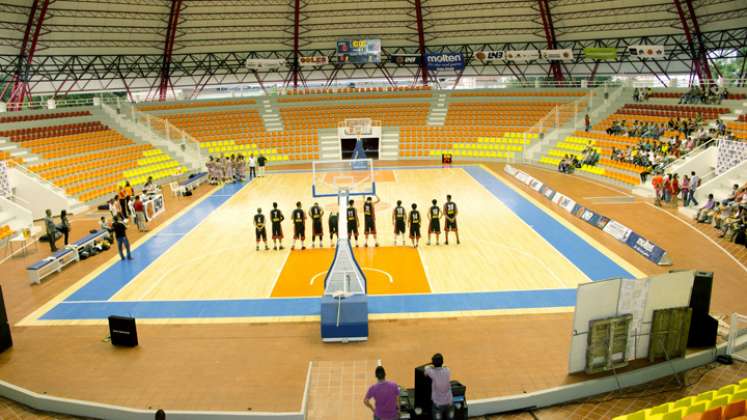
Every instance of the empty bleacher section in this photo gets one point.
(671, 111)
(195, 104)
(678, 94)
(510, 115)
(477, 142)
(727, 402)
(738, 127)
(88, 159)
(46, 116)
(242, 131)
(329, 116)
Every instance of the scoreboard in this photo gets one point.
(359, 51)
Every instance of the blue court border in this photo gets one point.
(92, 300)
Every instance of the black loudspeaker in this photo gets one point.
(422, 391)
(700, 299)
(459, 391)
(703, 327)
(6, 341)
(122, 331)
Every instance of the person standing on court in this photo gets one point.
(122, 197)
(443, 409)
(276, 217)
(64, 225)
(261, 161)
(140, 217)
(260, 232)
(252, 167)
(120, 234)
(51, 230)
(450, 214)
(386, 396)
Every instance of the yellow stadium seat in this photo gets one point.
(639, 415)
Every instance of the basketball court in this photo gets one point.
(202, 266)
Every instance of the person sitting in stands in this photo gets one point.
(705, 213)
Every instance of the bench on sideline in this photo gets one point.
(58, 260)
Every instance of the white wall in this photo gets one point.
(721, 186)
(38, 195)
(21, 217)
(702, 163)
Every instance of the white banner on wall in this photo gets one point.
(559, 55)
(617, 230)
(730, 154)
(521, 55)
(5, 190)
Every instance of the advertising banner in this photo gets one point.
(617, 230)
(558, 55)
(266, 63)
(568, 204)
(521, 55)
(488, 57)
(605, 54)
(646, 248)
(445, 61)
(646, 51)
(405, 59)
(313, 60)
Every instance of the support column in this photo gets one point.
(544, 7)
(697, 59)
(168, 48)
(421, 41)
(699, 36)
(295, 68)
(20, 80)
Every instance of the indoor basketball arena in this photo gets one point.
(351, 210)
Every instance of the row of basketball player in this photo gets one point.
(401, 220)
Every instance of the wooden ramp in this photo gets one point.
(336, 390)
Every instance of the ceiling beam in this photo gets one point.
(699, 36)
(421, 41)
(695, 55)
(168, 49)
(544, 8)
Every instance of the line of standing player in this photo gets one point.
(401, 220)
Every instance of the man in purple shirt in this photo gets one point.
(443, 408)
(386, 395)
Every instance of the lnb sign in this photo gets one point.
(445, 60)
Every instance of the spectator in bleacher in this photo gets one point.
(140, 217)
(51, 230)
(694, 184)
(731, 223)
(385, 395)
(64, 226)
(440, 388)
(587, 122)
(705, 213)
(636, 95)
(261, 162)
(252, 167)
(120, 234)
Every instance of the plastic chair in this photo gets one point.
(697, 408)
(719, 402)
(741, 395)
(734, 409)
(674, 415)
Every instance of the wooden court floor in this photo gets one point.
(232, 366)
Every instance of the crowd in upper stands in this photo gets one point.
(710, 94)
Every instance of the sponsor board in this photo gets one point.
(646, 51)
(445, 61)
(266, 63)
(488, 56)
(558, 55)
(521, 55)
(568, 204)
(359, 50)
(313, 60)
(596, 53)
(617, 230)
(405, 59)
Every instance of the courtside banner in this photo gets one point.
(558, 55)
(613, 228)
(521, 55)
(488, 57)
(313, 60)
(648, 249)
(597, 53)
(445, 61)
(266, 63)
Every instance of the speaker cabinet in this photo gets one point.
(123, 331)
(422, 391)
(700, 299)
(6, 341)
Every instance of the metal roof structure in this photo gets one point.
(62, 46)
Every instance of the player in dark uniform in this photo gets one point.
(259, 228)
(450, 222)
(276, 217)
(334, 219)
(299, 225)
(369, 220)
(316, 214)
(434, 221)
(414, 222)
(399, 214)
(352, 218)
